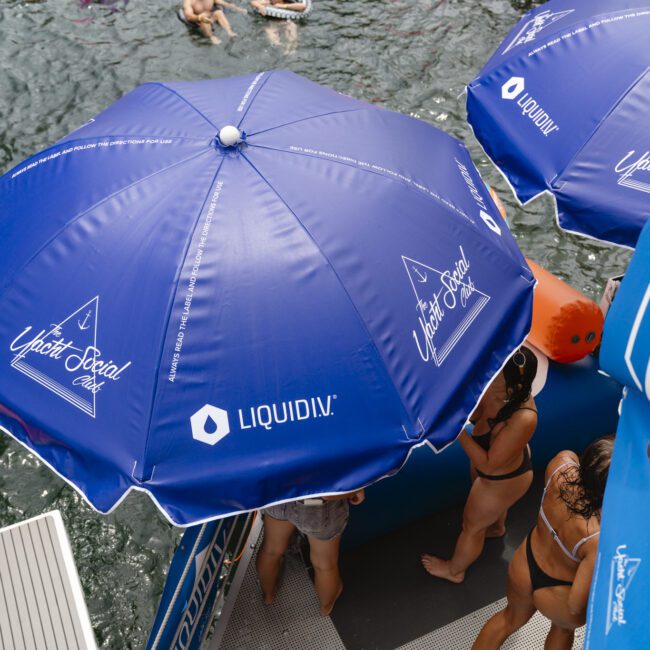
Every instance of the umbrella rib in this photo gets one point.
(252, 99)
(194, 108)
(311, 117)
(371, 171)
(93, 207)
(176, 282)
(342, 285)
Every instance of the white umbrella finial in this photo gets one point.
(229, 136)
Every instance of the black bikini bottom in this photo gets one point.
(538, 578)
(526, 465)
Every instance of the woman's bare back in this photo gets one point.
(549, 555)
(523, 419)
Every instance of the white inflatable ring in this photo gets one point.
(287, 14)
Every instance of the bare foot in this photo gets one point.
(440, 569)
(326, 611)
(215, 40)
(269, 599)
(232, 34)
(495, 531)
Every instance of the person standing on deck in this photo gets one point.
(551, 570)
(500, 463)
(323, 521)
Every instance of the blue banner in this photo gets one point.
(617, 615)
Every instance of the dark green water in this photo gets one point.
(61, 62)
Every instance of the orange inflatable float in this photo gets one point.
(567, 325)
(497, 201)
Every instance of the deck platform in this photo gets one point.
(41, 601)
(389, 602)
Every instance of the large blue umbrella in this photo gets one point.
(235, 292)
(563, 106)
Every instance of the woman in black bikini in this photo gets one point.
(551, 570)
(501, 469)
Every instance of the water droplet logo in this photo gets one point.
(210, 424)
(513, 88)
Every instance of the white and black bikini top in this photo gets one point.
(570, 554)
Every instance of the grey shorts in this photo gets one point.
(323, 522)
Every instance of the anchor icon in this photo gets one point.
(83, 326)
(423, 278)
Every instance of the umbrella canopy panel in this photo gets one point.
(617, 612)
(231, 326)
(562, 106)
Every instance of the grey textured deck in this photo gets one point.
(460, 634)
(293, 622)
(41, 602)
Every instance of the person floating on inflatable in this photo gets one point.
(288, 10)
(289, 13)
(204, 13)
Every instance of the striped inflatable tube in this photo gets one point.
(287, 14)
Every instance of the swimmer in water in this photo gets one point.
(204, 13)
(276, 29)
(261, 5)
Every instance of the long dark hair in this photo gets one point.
(519, 373)
(582, 488)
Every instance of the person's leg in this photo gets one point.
(260, 6)
(277, 534)
(223, 22)
(559, 638)
(498, 528)
(486, 504)
(518, 610)
(206, 30)
(272, 32)
(291, 6)
(324, 556)
(291, 31)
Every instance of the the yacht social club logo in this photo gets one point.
(65, 359)
(629, 167)
(447, 303)
(531, 28)
(622, 570)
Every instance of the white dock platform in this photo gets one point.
(41, 601)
